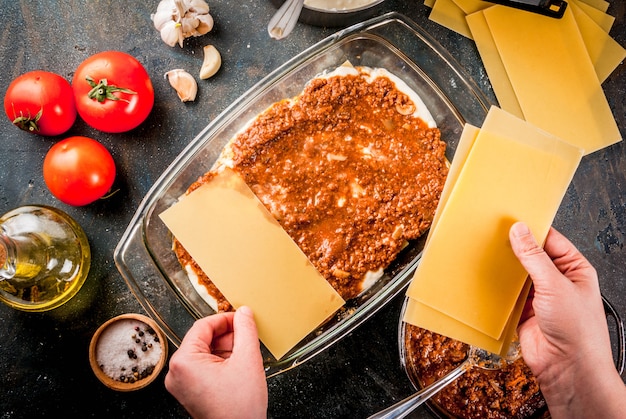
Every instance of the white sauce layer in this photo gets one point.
(200, 289)
(337, 4)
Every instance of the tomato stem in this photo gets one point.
(101, 91)
(110, 194)
(27, 123)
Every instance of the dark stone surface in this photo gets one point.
(44, 368)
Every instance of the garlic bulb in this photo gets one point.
(180, 19)
(184, 84)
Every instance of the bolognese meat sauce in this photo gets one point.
(348, 171)
(510, 392)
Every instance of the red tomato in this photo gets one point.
(78, 170)
(113, 91)
(40, 102)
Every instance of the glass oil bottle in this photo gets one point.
(44, 258)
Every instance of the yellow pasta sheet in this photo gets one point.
(507, 171)
(426, 317)
(447, 13)
(498, 77)
(605, 53)
(604, 20)
(545, 70)
(553, 77)
(252, 260)
(601, 5)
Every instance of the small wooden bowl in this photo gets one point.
(136, 383)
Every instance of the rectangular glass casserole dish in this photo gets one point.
(144, 255)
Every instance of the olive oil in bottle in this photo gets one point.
(44, 258)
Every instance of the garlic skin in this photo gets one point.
(205, 24)
(177, 20)
(211, 63)
(184, 84)
(172, 34)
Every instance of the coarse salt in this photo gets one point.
(128, 350)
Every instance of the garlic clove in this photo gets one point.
(198, 6)
(189, 25)
(160, 19)
(171, 33)
(205, 26)
(184, 84)
(181, 7)
(211, 63)
(166, 5)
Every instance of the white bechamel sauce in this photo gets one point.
(333, 5)
(371, 278)
(200, 289)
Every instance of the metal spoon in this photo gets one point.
(476, 358)
(284, 20)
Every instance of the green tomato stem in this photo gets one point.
(101, 91)
(28, 123)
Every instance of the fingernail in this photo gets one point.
(246, 311)
(520, 229)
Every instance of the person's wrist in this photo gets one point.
(583, 388)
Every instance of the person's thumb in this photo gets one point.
(246, 338)
(532, 256)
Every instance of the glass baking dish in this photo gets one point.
(144, 256)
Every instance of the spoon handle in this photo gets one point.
(406, 406)
(284, 20)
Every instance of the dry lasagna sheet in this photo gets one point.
(352, 168)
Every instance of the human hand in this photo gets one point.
(218, 370)
(564, 336)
